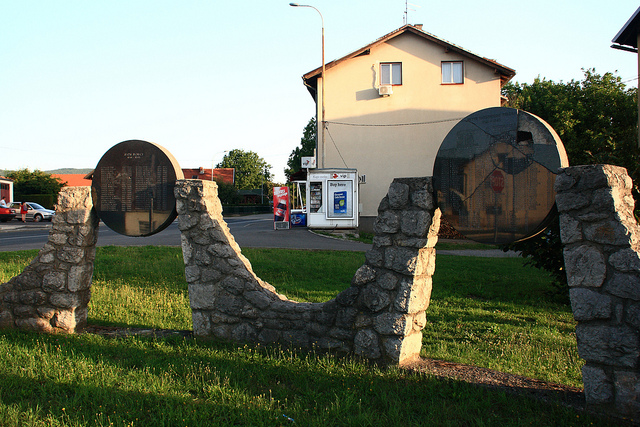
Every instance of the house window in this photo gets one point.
(391, 73)
(452, 73)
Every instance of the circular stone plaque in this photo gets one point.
(132, 188)
(494, 175)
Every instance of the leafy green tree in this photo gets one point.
(306, 149)
(37, 182)
(251, 170)
(227, 193)
(596, 119)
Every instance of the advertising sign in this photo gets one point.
(281, 207)
(309, 162)
(340, 194)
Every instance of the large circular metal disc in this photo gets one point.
(494, 175)
(132, 188)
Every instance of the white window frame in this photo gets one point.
(452, 72)
(394, 73)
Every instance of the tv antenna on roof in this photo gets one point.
(405, 20)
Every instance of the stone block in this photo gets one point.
(571, 201)
(374, 298)
(388, 281)
(366, 344)
(33, 297)
(626, 260)
(375, 257)
(260, 300)
(387, 222)
(598, 388)
(587, 304)
(624, 285)
(364, 275)
(6, 319)
(71, 254)
(191, 273)
(34, 324)
(79, 277)
(415, 223)
(423, 199)
(244, 332)
(401, 260)
(201, 323)
(398, 195)
(55, 281)
(348, 297)
(627, 393)
(585, 266)
(392, 324)
(564, 182)
(609, 232)
(203, 297)
(570, 230)
(609, 345)
(66, 299)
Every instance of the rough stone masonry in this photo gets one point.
(600, 237)
(52, 293)
(380, 316)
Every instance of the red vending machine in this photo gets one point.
(281, 208)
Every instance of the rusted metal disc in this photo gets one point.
(494, 175)
(132, 188)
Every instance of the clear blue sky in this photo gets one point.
(201, 77)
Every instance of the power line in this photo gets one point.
(395, 124)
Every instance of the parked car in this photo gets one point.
(7, 214)
(35, 212)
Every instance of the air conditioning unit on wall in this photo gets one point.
(385, 90)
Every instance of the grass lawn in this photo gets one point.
(494, 313)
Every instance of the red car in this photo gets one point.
(7, 214)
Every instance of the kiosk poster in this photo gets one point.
(341, 192)
(340, 202)
(281, 206)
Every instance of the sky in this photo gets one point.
(201, 77)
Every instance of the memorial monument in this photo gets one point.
(132, 188)
(494, 175)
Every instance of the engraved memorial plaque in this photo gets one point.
(494, 175)
(132, 188)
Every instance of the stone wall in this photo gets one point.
(380, 316)
(52, 293)
(601, 241)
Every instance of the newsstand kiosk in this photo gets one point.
(332, 198)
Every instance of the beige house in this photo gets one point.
(389, 105)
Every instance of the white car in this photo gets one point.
(35, 212)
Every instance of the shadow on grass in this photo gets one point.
(154, 382)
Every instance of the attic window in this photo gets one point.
(391, 73)
(452, 72)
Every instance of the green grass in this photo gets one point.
(495, 313)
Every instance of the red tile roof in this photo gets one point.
(73, 179)
(225, 175)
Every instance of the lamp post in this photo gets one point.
(322, 123)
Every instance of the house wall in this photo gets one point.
(384, 152)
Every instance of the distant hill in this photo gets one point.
(62, 171)
(70, 170)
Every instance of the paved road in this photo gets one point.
(249, 231)
(254, 231)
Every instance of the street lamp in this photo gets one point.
(323, 77)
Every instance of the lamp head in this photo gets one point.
(294, 4)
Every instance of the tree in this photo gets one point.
(596, 119)
(251, 170)
(306, 149)
(37, 182)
